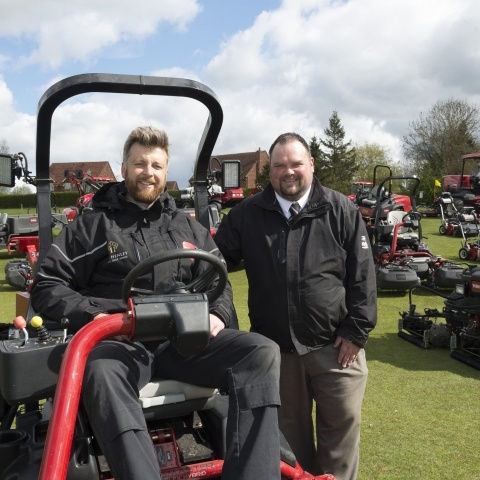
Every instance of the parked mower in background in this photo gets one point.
(87, 186)
(380, 200)
(464, 188)
(402, 258)
(455, 326)
(43, 433)
(358, 190)
(19, 233)
(459, 223)
(221, 192)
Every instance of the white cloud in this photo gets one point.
(79, 29)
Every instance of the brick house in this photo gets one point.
(172, 185)
(95, 169)
(251, 164)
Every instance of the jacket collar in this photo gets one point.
(113, 196)
(317, 199)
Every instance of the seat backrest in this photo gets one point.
(395, 217)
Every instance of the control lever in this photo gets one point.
(21, 324)
(43, 334)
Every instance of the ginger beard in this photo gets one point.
(143, 190)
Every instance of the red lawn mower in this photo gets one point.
(44, 432)
(402, 259)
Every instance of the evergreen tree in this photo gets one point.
(263, 178)
(317, 156)
(338, 157)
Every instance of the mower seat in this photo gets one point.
(373, 197)
(405, 234)
(168, 398)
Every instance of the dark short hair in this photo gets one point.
(148, 137)
(287, 138)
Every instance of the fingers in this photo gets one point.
(215, 325)
(348, 351)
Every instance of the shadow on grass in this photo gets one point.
(390, 348)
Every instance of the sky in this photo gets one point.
(275, 66)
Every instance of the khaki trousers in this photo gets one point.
(338, 394)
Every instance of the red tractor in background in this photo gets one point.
(87, 186)
(359, 188)
(464, 188)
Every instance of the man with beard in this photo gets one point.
(312, 290)
(81, 279)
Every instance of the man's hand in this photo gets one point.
(348, 351)
(215, 325)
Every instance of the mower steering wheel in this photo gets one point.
(216, 267)
(412, 215)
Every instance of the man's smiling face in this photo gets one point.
(291, 170)
(145, 172)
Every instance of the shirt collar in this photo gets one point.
(285, 204)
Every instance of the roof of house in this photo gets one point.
(248, 160)
(95, 169)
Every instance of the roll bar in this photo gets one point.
(130, 84)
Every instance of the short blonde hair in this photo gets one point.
(148, 137)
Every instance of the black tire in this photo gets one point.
(442, 230)
(464, 254)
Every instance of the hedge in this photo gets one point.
(57, 199)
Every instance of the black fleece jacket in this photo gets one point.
(83, 271)
(309, 281)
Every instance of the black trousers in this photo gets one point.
(246, 364)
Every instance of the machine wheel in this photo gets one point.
(464, 253)
(442, 230)
(205, 279)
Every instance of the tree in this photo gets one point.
(338, 164)
(368, 156)
(263, 178)
(317, 155)
(436, 140)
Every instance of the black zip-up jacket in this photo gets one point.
(83, 271)
(314, 277)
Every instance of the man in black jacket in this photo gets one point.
(81, 278)
(312, 290)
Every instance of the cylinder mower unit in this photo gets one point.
(461, 327)
(19, 273)
(423, 329)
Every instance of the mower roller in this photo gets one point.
(44, 432)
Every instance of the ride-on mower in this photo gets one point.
(402, 259)
(44, 432)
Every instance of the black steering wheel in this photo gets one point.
(413, 215)
(216, 267)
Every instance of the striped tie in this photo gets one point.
(294, 210)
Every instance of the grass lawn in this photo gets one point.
(421, 412)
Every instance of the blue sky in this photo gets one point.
(276, 66)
